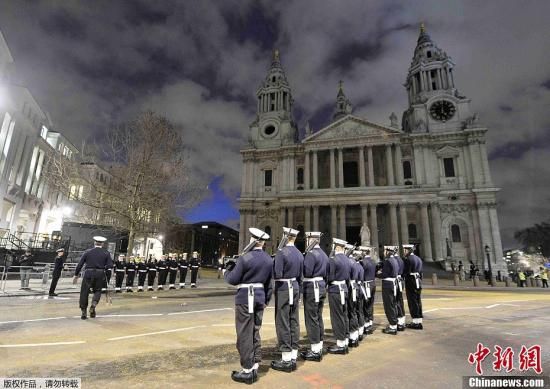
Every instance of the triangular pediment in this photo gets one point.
(352, 127)
(448, 151)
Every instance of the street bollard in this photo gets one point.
(456, 279)
(507, 281)
(45, 274)
(434, 279)
(493, 281)
(539, 283)
(476, 281)
(531, 282)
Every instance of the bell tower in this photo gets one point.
(343, 105)
(274, 125)
(435, 105)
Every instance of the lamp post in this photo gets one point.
(487, 251)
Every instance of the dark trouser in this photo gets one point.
(118, 279)
(163, 273)
(151, 277)
(368, 306)
(130, 279)
(360, 310)
(183, 274)
(352, 313)
(338, 316)
(390, 302)
(25, 276)
(545, 283)
(413, 298)
(287, 323)
(141, 278)
(93, 279)
(173, 274)
(400, 304)
(194, 273)
(521, 283)
(248, 334)
(313, 315)
(55, 277)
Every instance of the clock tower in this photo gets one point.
(435, 105)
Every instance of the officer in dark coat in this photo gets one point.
(361, 293)
(97, 260)
(194, 264)
(287, 273)
(339, 271)
(314, 293)
(413, 284)
(130, 274)
(57, 269)
(172, 271)
(252, 274)
(369, 267)
(162, 270)
(353, 330)
(120, 270)
(388, 274)
(142, 273)
(399, 297)
(183, 265)
(151, 273)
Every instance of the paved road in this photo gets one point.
(187, 339)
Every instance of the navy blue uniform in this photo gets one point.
(287, 265)
(97, 260)
(57, 269)
(255, 267)
(339, 271)
(130, 275)
(142, 273)
(194, 264)
(183, 265)
(173, 271)
(120, 270)
(315, 274)
(400, 286)
(151, 274)
(353, 297)
(162, 269)
(413, 282)
(361, 300)
(369, 267)
(389, 279)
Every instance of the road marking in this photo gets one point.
(134, 315)
(511, 333)
(40, 344)
(223, 325)
(156, 333)
(32, 320)
(431, 310)
(204, 310)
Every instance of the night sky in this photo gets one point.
(93, 65)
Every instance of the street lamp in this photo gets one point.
(487, 251)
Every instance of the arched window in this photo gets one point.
(412, 231)
(300, 176)
(267, 230)
(407, 171)
(455, 233)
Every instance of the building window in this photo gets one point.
(412, 231)
(268, 177)
(44, 132)
(272, 99)
(300, 176)
(455, 233)
(267, 230)
(429, 54)
(449, 166)
(407, 171)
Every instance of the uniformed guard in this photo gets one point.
(361, 292)
(388, 274)
(413, 285)
(173, 271)
(314, 293)
(151, 274)
(130, 274)
(162, 271)
(287, 273)
(57, 269)
(339, 271)
(120, 270)
(352, 338)
(183, 265)
(97, 260)
(142, 273)
(195, 263)
(252, 274)
(369, 267)
(400, 287)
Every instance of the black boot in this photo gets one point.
(337, 350)
(311, 356)
(361, 337)
(83, 316)
(281, 365)
(245, 378)
(353, 343)
(294, 365)
(390, 331)
(369, 330)
(92, 311)
(400, 327)
(415, 326)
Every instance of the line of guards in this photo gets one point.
(166, 268)
(346, 278)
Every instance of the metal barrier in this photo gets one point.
(35, 273)
(3, 280)
(66, 274)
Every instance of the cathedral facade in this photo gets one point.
(426, 182)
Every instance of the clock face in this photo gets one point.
(442, 110)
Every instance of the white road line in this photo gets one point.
(431, 310)
(492, 306)
(134, 315)
(204, 310)
(40, 344)
(32, 320)
(156, 333)
(223, 325)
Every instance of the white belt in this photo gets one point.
(289, 282)
(162, 268)
(353, 284)
(173, 268)
(153, 270)
(315, 281)
(416, 279)
(194, 267)
(400, 283)
(341, 289)
(183, 267)
(120, 270)
(363, 290)
(367, 288)
(142, 271)
(129, 270)
(250, 288)
(394, 286)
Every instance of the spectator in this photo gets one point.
(472, 270)
(544, 277)
(461, 270)
(521, 278)
(26, 263)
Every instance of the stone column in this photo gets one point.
(244, 178)
(282, 216)
(340, 168)
(426, 239)
(485, 163)
(315, 171)
(398, 165)
(374, 228)
(389, 165)
(404, 224)
(393, 224)
(361, 166)
(333, 221)
(332, 170)
(370, 166)
(307, 216)
(316, 217)
(342, 230)
(242, 230)
(475, 162)
(306, 171)
(436, 226)
(497, 243)
(364, 215)
(290, 217)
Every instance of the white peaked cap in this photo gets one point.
(349, 246)
(364, 248)
(258, 234)
(408, 246)
(313, 234)
(290, 231)
(339, 242)
(357, 252)
(100, 239)
(390, 248)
